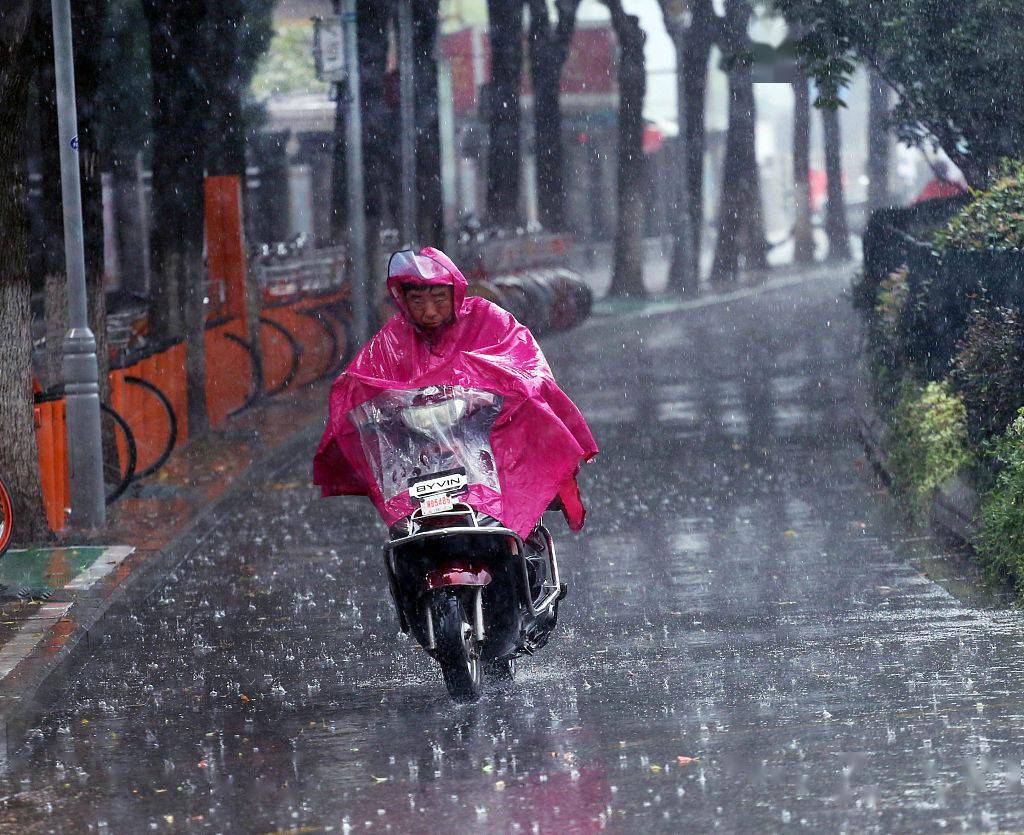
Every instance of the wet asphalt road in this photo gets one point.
(742, 596)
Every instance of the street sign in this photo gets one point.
(329, 48)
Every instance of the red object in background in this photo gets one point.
(818, 187)
(937, 189)
(225, 246)
(590, 68)
(591, 65)
(653, 139)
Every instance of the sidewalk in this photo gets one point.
(89, 587)
(594, 263)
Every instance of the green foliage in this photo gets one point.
(287, 68)
(994, 219)
(892, 301)
(882, 304)
(988, 371)
(927, 441)
(956, 67)
(1000, 538)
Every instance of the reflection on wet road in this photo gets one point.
(746, 645)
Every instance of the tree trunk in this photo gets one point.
(430, 200)
(179, 111)
(547, 117)
(693, 49)
(381, 160)
(803, 233)
(684, 271)
(87, 17)
(48, 240)
(225, 155)
(549, 49)
(699, 43)
(130, 221)
(19, 456)
(741, 220)
(755, 242)
(628, 275)
(731, 208)
(878, 142)
(836, 226)
(503, 151)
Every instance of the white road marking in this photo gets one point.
(29, 635)
(110, 559)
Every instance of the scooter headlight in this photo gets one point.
(429, 419)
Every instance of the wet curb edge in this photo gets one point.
(35, 683)
(954, 505)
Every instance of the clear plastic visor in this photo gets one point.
(407, 264)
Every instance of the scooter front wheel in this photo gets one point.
(458, 651)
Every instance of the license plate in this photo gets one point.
(438, 503)
(452, 481)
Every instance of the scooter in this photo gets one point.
(470, 590)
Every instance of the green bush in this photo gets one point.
(927, 442)
(883, 334)
(994, 220)
(988, 371)
(1000, 537)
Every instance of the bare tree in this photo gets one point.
(692, 40)
(740, 214)
(803, 233)
(380, 162)
(836, 226)
(628, 266)
(19, 457)
(503, 152)
(549, 48)
(179, 108)
(430, 201)
(879, 143)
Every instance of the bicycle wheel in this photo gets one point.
(6, 517)
(119, 461)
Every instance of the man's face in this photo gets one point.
(430, 306)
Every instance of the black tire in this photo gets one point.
(172, 425)
(457, 650)
(115, 478)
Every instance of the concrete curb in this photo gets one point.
(87, 617)
(954, 506)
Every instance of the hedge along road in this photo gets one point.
(747, 642)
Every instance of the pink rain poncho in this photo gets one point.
(539, 438)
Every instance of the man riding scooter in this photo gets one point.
(450, 421)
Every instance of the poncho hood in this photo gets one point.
(539, 438)
(430, 267)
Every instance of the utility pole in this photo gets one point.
(406, 72)
(354, 174)
(80, 368)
